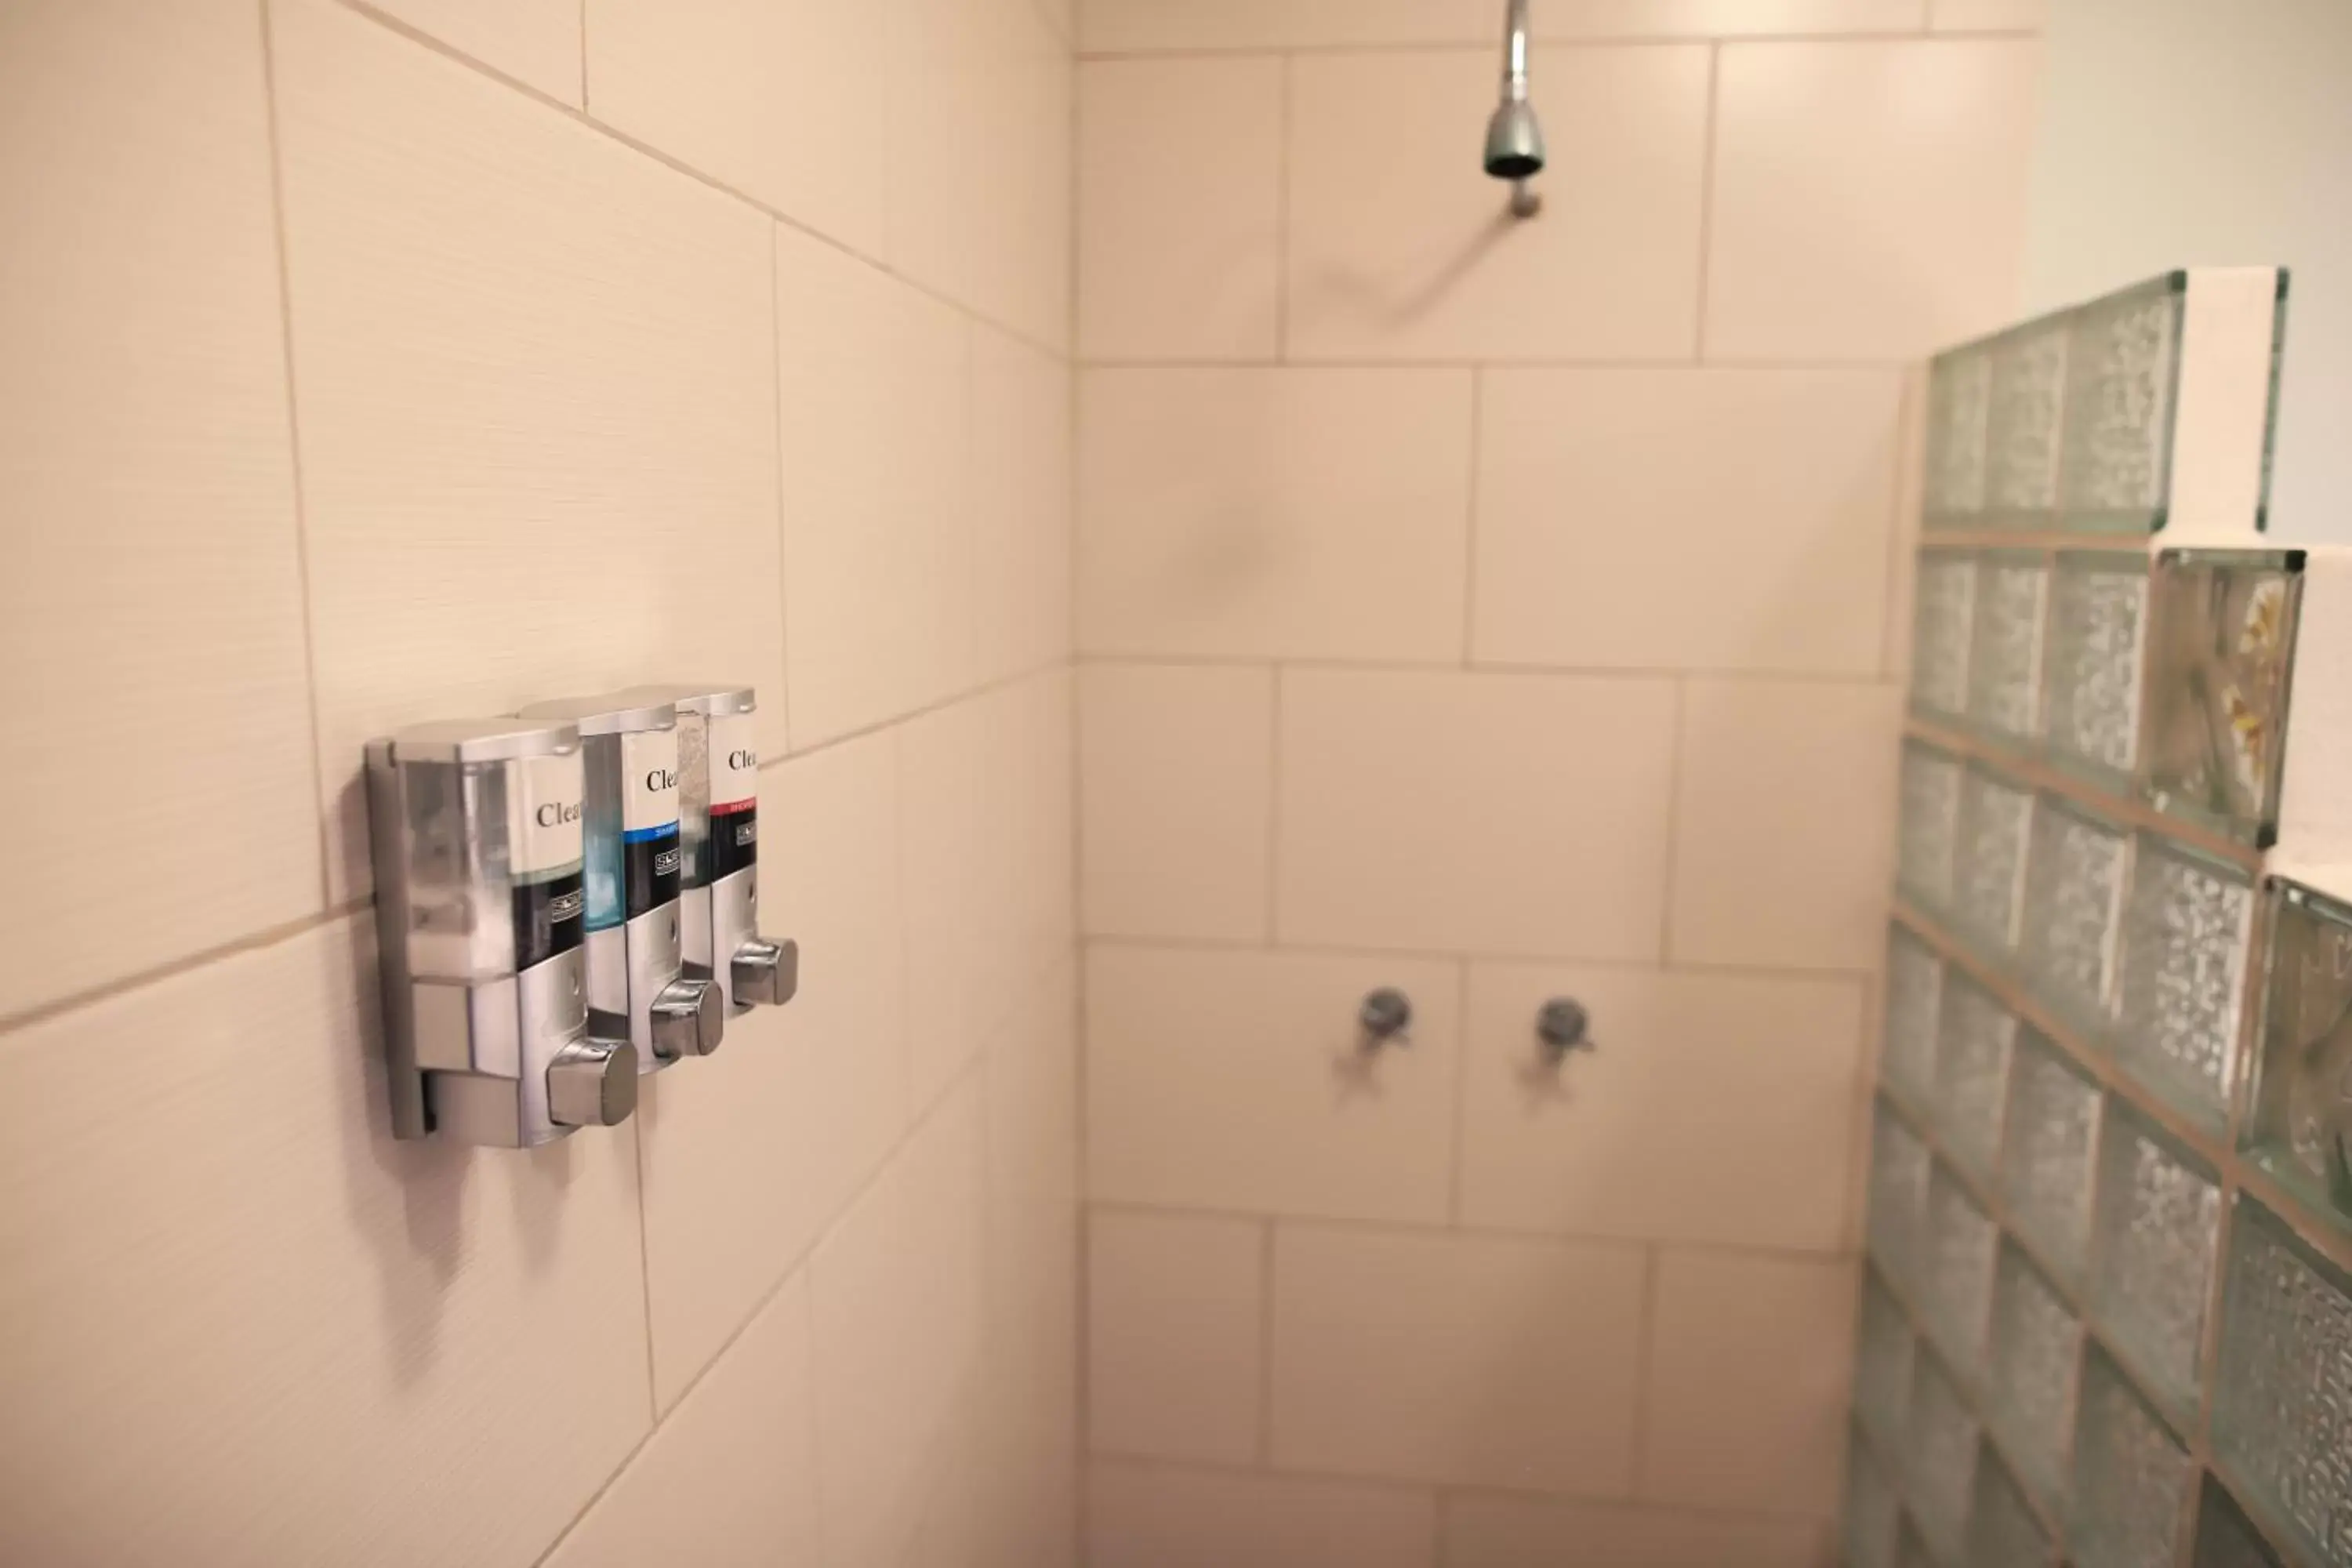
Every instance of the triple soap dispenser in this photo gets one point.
(566, 899)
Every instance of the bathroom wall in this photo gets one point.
(1498, 611)
(2174, 132)
(366, 364)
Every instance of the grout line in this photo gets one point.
(1869, 680)
(1454, 1210)
(1667, 872)
(1492, 362)
(1902, 530)
(1646, 1366)
(1284, 123)
(1470, 521)
(646, 148)
(584, 57)
(1265, 1343)
(1709, 133)
(783, 535)
(173, 969)
(1303, 948)
(326, 839)
(990, 688)
(646, 1264)
(1481, 49)
(1273, 933)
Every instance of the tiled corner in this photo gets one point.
(1868, 198)
(1273, 513)
(1141, 1515)
(1784, 824)
(1179, 193)
(1155, 26)
(1021, 529)
(1494, 1532)
(1259, 1058)
(537, 42)
(1481, 813)
(1176, 787)
(1719, 519)
(1471, 1360)
(1399, 250)
(1175, 1335)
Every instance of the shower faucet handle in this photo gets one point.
(766, 973)
(1564, 1025)
(1383, 1016)
(592, 1083)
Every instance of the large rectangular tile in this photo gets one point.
(1273, 513)
(1164, 1516)
(1517, 813)
(536, 401)
(537, 42)
(151, 599)
(1696, 1084)
(243, 1324)
(1747, 1403)
(898, 1299)
(751, 1153)
(1399, 250)
(1136, 25)
(878, 590)
(1529, 1532)
(1176, 800)
(1175, 1341)
(729, 1480)
(1718, 519)
(1470, 1359)
(1784, 824)
(1179, 197)
(753, 96)
(1021, 531)
(1242, 1081)
(1869, 197)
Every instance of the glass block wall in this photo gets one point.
(2108, 1315)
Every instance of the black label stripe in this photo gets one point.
(734, 840)
(650, 871)
(547, 918)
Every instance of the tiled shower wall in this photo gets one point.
(1496, 611)
(365, 364)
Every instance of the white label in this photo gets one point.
(734, 760)
(649, 793)
(543, 814)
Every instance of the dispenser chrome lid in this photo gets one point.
(481, 741)
(612, 713)
(712, 700)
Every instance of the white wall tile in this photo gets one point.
(1869, 197)
(898, 1296)
(225, 1273)
(1129, 25)
(1713, 1108)
(1176, 799)
(749, 1153)
(151, 595)
(1784, 824)
(1474, 1359)
(1020, 455)
(1175, 1335)
(1179, 195)
(1241, 1081)
(1747, 1381)
(1517, 813)
(878, 541)
(1705, 518)
(535, 401)
(537, 42)
(1164, 1516)
(1400, 248)
(1273, 513)
(730, 1478)
(756, 97)
(1530, 1533)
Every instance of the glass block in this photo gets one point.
(2154, 1236)
(2301, 1125)
(2029, 1394)
(1882, 1364)
(2282, 1405)
(1943, 612)
(2114, 471)
(1974, 1036)
(2005, 646)
(2226, 1537)
(2023, 426)
(1898, 1196)
(1872, 1509)
(1929, 824)
(1914, 984)
(1940, 1463)
(2045, 1168)
(2221, 640)
(2098, 612)
(1960, 401)
(2182, 987)
(2074, 909)
(2131, 1476)
(1989, 877)
(2002, 1531)
(1955, 1293)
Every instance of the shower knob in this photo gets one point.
(1563, 1026)
(592, 1083)
(1384, 1014)
(688, 1017)
(767, 973)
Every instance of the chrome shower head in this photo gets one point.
(1515, 148)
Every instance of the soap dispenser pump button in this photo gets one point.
(688, 1016)
(766, 973)
(592, 1083)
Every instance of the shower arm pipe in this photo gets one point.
(1515, 52)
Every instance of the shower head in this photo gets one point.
(1515, 149)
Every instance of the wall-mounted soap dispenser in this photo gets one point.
(477, 849)
(636, 983)
(719, 824)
